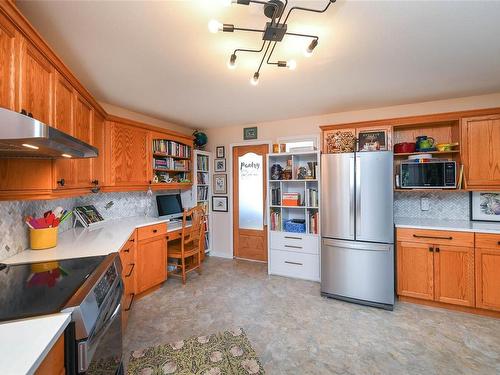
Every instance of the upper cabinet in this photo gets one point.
(84, 117)
(129, 155)
(36, 83)
(481, 152)
(98, 141)
(8, 37)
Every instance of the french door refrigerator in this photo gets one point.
(357, 229)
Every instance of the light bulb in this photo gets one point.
(308, 52)
(232, 62)
(255, 79)
(214, 26)
(227, 3)
(291, 64)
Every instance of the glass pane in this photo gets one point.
(250, 185)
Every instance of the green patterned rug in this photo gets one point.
(224, 353)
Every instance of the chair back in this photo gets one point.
(193, 234)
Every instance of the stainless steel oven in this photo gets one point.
(431, 174)
(96, 345)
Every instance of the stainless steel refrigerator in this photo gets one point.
(357, 229)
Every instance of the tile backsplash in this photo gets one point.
(442, 205)
(14, 234)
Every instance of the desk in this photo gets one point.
(174, 230)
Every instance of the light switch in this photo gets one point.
(424, 204)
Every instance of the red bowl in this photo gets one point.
(405, 147)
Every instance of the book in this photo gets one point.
(87, 215)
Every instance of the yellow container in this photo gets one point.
(43, 238)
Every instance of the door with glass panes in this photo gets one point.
(249, 197)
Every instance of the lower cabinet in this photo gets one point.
(128, 257)
(294, 255)
(53, 363)
(151, 262)
(415, 270)
(487, 259)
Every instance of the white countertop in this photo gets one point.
(453, 225)
(105, 239)
(25, 343)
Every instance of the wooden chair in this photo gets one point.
(189, 245)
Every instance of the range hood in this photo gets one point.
(22, 136)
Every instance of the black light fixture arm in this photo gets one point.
(249, 50)
(263, 57)
(309, 10)
(270, 54)
(247, 29)
(303, 35)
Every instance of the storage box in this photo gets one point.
(290, 226)
(43, 238)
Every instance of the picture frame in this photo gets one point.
(485, 206)
(219, 165)
(250, 133)
(220, 184)
(220, 152)
(219, 204)
(372, 140)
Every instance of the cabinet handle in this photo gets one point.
(132, 240)
(431, 249)
(95, 182)
(131, 270)
(131, 302)
(61, 182)
(294, 263)
(23, 112)
(126, 250)
(437, 249)
(434, 237)
(294, 247)
(293, 238)
(498, 243)
(155, 230)
(30, 114)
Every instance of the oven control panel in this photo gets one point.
(103, 286)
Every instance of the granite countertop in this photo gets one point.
(25, 343)
(452, 225)
(104, 239)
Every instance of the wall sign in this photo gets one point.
(250, 133)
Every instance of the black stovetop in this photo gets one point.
(34, 289)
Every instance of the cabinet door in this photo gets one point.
(480, 151)
(7, 63)
(454, 275)
(98, 135)
(151, 263)
(36, 83)
(130, 155)
(415, 267)
(64, 174)
(488, 278)
(84, 117)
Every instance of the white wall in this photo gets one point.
(270, 131)
(136, 116)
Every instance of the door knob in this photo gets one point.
(23, 112)
(437, 249)
(431, 249)
(95, 182)
(61, 182)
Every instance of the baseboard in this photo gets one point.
(219, 255)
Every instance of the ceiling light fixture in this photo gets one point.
(27, 145)
(273, 32)
(66, 156)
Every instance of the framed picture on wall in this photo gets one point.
(485, 206)
(372, 140)
(220, 165)
(220, 184)
(219, 152)
(219, 204)
(250, 133)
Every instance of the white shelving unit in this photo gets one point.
(294, 253)
(202, 189)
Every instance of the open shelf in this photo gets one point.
(163, 155)
(427, 152)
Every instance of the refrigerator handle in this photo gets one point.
(351, 195)
(358, 193)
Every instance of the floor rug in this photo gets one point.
(223, 353)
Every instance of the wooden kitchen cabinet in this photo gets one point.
(415, 270)
(454, 275)
(128, 257)
(151, 263)
(84, 117)
(481, 152)
(487, 260)
(98, 140)
(36, 83)
(53, 363)
(129, 155)
(8, 43)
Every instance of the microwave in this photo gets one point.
(440, 174)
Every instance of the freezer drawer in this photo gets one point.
(291, 264)
(357, 270)
(297, 242)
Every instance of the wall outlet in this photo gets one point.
(424, 204)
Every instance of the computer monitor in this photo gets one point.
(169, 206)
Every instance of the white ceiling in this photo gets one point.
(158, 58)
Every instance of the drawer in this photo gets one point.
(488, 241)
(292, 264)
(151, 231)
(174, 235)
(437, 237)
(128, 276)
(297, 242)
(127, 252)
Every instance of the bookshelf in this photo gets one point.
(293, 213)
(171, 163)
(202, 189)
